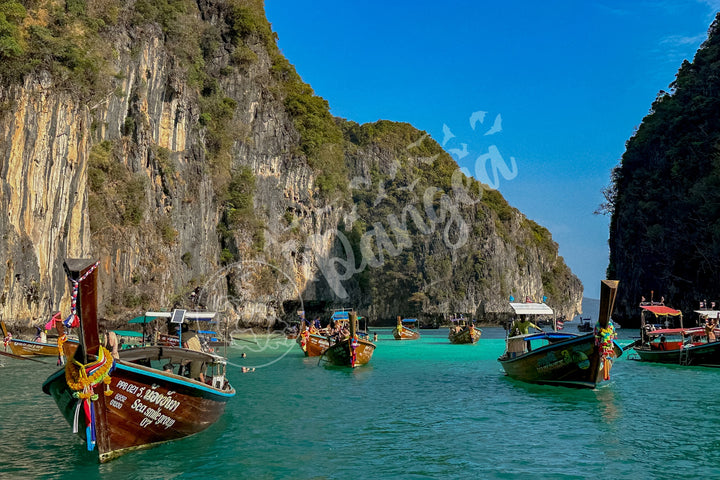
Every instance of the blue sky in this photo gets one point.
(568, 83)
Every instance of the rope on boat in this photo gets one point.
(353, 347)
(604, 340)
(82, 380)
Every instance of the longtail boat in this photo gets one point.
(585, 325)
(406, 329)
(31, 348)
(313, 344)
(143, 398)
(353, 351)
(678, 346)
(462, 333)
(313, 341)
(564, 359)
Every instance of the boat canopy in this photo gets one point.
(142, 319)
(661, 310)
(201, 316)
(531, 309)
(342, 315)
(409, 320)
(708, 313)
(128, 333)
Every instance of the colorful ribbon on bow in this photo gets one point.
(604, 340)
(353, 354)
(82, 380)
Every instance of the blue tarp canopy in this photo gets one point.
(207, 332)
(340, 315)
(409, 320)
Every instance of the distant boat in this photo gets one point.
(563, 359)
(140, 400)
(677, 346)
(406, 329)
(292, 330)
(585, 325)
(353, 351)
(313, 341)
(34, 348)
(461, 333)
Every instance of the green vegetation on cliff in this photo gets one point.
(664, 200)
(117, 196)
(421, 229)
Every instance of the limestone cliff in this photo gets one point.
(175, 144)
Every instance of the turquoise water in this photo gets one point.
(420, 409)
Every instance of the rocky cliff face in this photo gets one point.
(201, 172)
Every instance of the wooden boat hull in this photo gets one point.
(26, 348)
(340, 353)
(147, 407)
(313, 345)
(464, 336)
(574, 362)
(406, 334)
(707, 354)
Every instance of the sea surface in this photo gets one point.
(421, 409)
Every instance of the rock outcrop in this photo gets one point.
(201, 171)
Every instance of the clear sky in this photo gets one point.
(567, 83)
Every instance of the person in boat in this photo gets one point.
(522, 326)
(710, 325)
(191, 342)
(109, 340)
(41, 335)
(342, 332)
